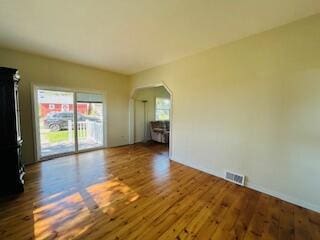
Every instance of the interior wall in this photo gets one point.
(48, 72)
(253, 107)
(149, 94)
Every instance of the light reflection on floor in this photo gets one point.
(104, 194)
(48, 219)
(70, 215)
(160, 166)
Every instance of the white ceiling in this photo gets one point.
(128, 36)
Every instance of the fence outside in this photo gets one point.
(87, 130)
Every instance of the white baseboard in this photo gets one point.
(284, 197)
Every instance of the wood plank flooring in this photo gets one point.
(136, 192)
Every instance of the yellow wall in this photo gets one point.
(253, 107)
(49, 72)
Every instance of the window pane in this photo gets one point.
(89, 97)
(90, 125)
(162, 103)
(162, 114)
(55, 122)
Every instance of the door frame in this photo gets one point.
(35, 122)
(132, 114)
(135, 117)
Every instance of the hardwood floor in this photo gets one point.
(136, 192)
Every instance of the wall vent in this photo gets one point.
(235, 178)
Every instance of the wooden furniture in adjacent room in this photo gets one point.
(160, 131)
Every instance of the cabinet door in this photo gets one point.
(17, 110)
(7, 112)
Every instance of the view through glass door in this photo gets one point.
(90, 120)
(57, 114)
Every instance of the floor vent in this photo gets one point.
(235, 178)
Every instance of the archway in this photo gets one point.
(143, 104)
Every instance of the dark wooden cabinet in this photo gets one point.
(11, 167)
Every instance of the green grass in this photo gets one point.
(59, 136)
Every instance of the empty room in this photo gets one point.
(166, 119)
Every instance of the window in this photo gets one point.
(51, 106)
(162, 109)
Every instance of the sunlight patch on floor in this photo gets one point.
(72, 215)
(63, 217)
(107, 193)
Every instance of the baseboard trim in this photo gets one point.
(284, 197)
(258, 188)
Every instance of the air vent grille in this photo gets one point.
(235, 178)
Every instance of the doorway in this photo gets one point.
(67, 122)
(151, 117)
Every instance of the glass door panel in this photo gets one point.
(55, 122)
(90, 121)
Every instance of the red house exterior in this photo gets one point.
(46, 108)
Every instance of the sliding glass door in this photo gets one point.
(55, 115)
(90, 120)
(68, 122)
